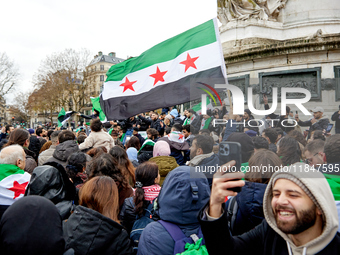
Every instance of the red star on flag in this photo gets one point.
(18, 189)
(127, 84)
(158, 76)
(189, 62)
(180, 137)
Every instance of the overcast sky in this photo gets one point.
(31, 30)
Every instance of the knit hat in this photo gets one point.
(174, 113)
(297, 182)
(31, 131)
(251, 133)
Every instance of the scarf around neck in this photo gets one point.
(197, 159)
(151, 192)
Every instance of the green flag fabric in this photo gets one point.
(96, 106)
(164, 75)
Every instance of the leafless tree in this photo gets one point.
(61, 81)
(9, 74)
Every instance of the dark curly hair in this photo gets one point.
(76, 162)
(105, 164)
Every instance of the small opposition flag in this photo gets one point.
(64, 116)
(13, 183)
(96, 106)
(198, 107)
(162, 76)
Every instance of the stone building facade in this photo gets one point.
(283, 43)
(97, 75)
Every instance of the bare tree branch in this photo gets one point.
(9, 74)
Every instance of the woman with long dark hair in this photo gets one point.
(124, 163)
(94, 227)
(105, 164)
(289, 151)
(147, 189)
(22, 137)
(133, 142)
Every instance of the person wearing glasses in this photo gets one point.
(314, 153)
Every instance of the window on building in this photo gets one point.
(101, 67)
(102, 78)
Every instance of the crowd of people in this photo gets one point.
(110, 189)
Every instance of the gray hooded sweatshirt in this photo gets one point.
(318, 186)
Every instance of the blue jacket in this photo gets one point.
(176, 204)
(250, 207)
(229, 129)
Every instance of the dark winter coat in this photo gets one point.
(51, 181)
(156, 124)
(128, 214)
(321, 124)
(89, 232)
(31, 226)
(176, 204)
(336, 118)
(250, 207)
(180, 151)
(63, 151)
(273, 147)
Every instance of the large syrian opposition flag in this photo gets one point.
(64, 116)
(13, 183)
(161, 76)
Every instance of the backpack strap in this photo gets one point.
(194, 192)
(149, 210)
(174, 230)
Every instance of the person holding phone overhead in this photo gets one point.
(336, 118)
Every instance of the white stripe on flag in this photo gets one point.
(6, 195)
(209, 57)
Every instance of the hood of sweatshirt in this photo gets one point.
(65, 149)
(184, 193)
(317, 184)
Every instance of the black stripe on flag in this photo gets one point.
(170, 94)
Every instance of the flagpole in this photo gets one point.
(230, 101)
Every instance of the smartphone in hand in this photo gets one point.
(329, 128)
(231, 151)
